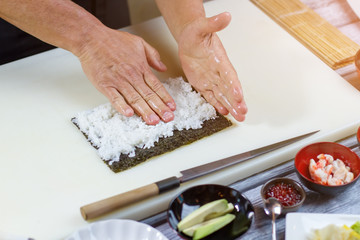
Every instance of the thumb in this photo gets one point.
(217, 22)
(153, 57)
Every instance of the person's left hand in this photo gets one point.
(119, 65)
(207, 67)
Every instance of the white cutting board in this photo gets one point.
(48, 170)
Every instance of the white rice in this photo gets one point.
(114, 134)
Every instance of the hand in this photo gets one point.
(207, 67)
(118, 64)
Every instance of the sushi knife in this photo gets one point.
(99, 208)
(10, 236)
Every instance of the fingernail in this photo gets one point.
(161, 64)
(171, 106)
(238, 116)
(129, 112)
(222, 110)
(154, 118)
(242, 108)
(168, 116)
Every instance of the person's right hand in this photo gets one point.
(207, 66)
(118, 64)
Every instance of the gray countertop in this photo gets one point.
(346, 203)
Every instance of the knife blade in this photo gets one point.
(355, 5)
(102, 207)
(10, 236)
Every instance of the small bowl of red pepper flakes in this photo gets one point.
(287, 191)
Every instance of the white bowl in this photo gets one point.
(117, 229)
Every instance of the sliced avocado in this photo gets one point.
(229, 209)
(199, 214)
(190, 231)
(356, 227)
(213, 226)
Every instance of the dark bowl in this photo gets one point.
(294, 184)
(194, 197)
(338, 151)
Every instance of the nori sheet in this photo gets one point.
(179, 138)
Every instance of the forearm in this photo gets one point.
(61, 23)
(179, 13)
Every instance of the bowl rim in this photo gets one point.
(357, 60)
(325, 142)
(206, 184)
(292, 182)
(203, 185)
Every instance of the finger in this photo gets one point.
(152, 99)
(228, 91)
(118, 102)
(138, 94)
(217, 22)
(238, 115)
(136, 101)
(160, 90)
(153, 58)
(230, 84)
(142, 109)
(210, 98)
(232, 90)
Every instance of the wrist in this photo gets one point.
(179, 31)
(88, 29)
(179, 14)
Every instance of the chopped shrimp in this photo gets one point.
(326, 157)
(312, 168)
(338, 164)
(329, 168)
(328, 171)
(321, 176)
(340, 173)
(321, 163)
(349, 177)
(317, 173)
(334, 181)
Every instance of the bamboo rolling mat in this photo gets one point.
(322, 38)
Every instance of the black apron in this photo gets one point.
(16, 44)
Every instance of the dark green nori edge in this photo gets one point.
(168, 144)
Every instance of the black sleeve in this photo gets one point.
(16, 44)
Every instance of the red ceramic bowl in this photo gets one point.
(358, 135)
(293, 183)
(338, 151)
(357, 62)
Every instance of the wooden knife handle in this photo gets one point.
(99, 208)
